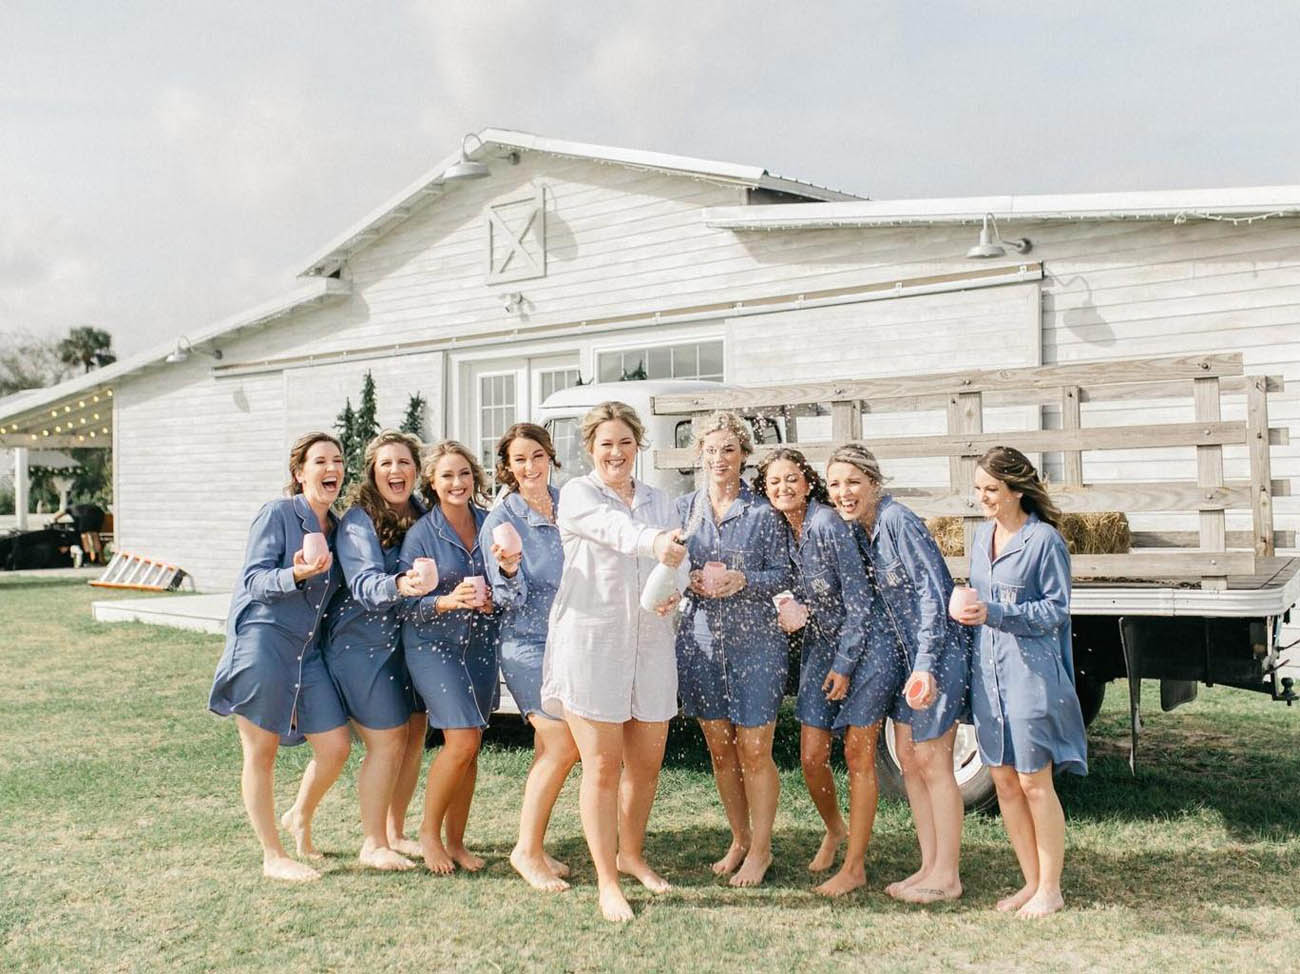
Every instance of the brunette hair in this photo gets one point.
(724, 421)
(389, 525)
(447, 448)
(816, 486)
(857, 455)
(521, 431)
(606, 412)
(1009, 465)
(298, 456)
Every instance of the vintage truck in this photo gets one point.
(1180, 445)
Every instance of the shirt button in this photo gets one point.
(296, 685)
(299, 659)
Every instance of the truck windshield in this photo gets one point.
(567, 439)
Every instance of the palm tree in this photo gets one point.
(87, 346)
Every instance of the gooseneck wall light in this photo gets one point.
(992, 245)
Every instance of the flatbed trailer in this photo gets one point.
(1186, 607)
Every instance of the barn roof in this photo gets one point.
(78, 411)
(1241, 205)
(499, 143)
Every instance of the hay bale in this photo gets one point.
(1097, 533)
(1091, 533)
(949, 534)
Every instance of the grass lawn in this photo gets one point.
(123, 844)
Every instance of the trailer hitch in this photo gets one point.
(1288, 693)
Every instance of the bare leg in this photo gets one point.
(1020, 830)
(553, 759)
(720, 736)
(934, 767)
(918, 800)
(762, 790)
(257, 785)
(408, 778)
(815, 756)
(1049, 838)
(329, 752)
(375, 779)
(458, 817)
(643, 755)
(447, 773)
(860, 755)
(600, 744)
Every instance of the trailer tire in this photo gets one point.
(1092, 693)
(973, 779)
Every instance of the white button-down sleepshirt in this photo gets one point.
(608, 659)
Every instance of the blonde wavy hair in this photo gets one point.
(724, 421)
(482, 489)
(606, 412)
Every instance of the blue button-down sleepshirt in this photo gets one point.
(271, 671)
(1026, 711)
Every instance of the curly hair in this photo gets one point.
(521, 431)
(482, 488)
(724, 421)
(389, 524)
(298, 456)
(1009, 465)
(816, 486)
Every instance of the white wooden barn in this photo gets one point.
(486, 294)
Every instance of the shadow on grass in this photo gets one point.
(1189, 764)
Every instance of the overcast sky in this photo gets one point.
(163, 165)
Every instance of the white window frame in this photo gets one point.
(660, 341)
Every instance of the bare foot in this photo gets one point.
(614, 906)
(752, 870)
(844, 881)
(301, 832)
(1041, 904)
(383, 858)
(731, 861)
(1010, 904)
(554, 865)
(831, 843)
(536, 872)
(435, 856)
(895, 889)
(465, 859)
(407, 847)
(284, 868)
(930, 894)
(639, 869)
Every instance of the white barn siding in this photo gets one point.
(622, 241)
(194, 461)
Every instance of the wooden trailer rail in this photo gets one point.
(1203, 379)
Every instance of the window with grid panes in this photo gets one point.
(496, 413)
(684, 360)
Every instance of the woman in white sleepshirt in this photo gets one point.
(610, 667)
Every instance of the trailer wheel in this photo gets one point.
(973, 778)
(1091, 695)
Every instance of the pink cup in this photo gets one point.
(428, 569)
(507, 539)
(314, 547)
(914, 692)
(480, 588)
(793, 614)
(963, 597)
(715, 572)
